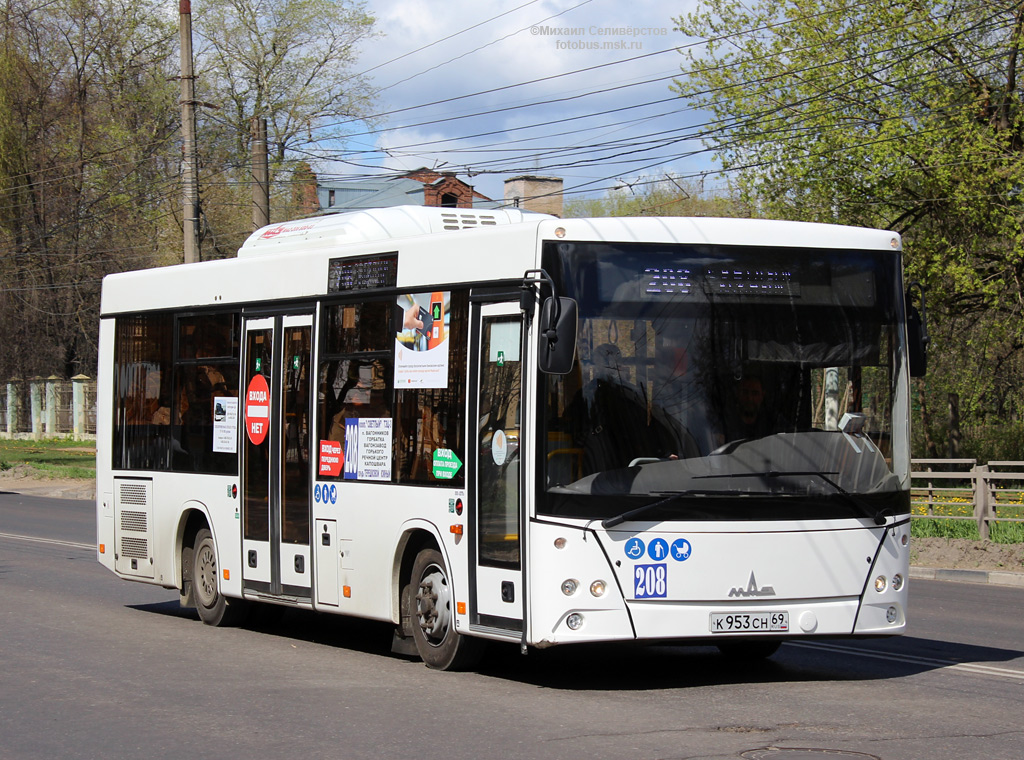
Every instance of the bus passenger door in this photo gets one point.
(275, 461)
(496, 583)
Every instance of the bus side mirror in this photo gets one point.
(917, 345)
(557, 339)
(917, 334)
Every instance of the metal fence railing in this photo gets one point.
(48, 407)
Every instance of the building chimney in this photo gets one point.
(541, 194)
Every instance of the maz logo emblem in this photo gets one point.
(752, 589)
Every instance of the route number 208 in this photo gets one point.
(650, 581)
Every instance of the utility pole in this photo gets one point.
(190, 157)
(260, 174)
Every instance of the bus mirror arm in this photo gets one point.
(527, 299)
(917, 331)
(556, 330)
(528, 296)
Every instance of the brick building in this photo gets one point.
(422, 187)
(533, 193)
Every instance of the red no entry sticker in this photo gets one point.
(257, 410)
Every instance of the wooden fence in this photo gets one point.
(941, 483)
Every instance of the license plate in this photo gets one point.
(749, 622)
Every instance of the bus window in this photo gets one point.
(166, 390)
(205, 370)
(142, 388)
(429, 419)
(355, 369)
(358, 327)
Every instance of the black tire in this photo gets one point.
(746, 650)
(439, 645)
(214, 608)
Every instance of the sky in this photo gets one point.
(612, 124)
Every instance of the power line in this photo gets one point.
(742, 84)
(585, 147)
(589, 69)
(745, 84)
(492, 42)
(443, 39)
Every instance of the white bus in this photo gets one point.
(512, 427)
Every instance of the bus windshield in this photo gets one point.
(724, 382)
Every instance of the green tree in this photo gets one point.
(665, 196)
(291, 62)
(87, 122)
(903, 115)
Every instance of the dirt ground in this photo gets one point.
(963, 554)
(953, 553)
(21, 479)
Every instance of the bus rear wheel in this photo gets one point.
(214, 608)
(439, 645)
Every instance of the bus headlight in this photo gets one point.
(574, 621)
(597, 588)
(569, 586)
(897, 582)
(880, 583)
(891, 614)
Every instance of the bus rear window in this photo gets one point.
(166, 391)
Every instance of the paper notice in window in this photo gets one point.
(225, 424)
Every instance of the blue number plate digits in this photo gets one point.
(650, 581)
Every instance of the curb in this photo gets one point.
(993, 577)
(78, 493)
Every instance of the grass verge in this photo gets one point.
(1000, 533)
(50, 458)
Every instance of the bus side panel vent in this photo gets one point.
(134, 492)
(466, 220)
(133, 526)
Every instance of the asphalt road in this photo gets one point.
(91, 666)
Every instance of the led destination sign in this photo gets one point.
(721, 281)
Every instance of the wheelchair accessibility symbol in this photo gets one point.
(634, 548)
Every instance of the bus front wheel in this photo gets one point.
(433, 617)
(214, 608)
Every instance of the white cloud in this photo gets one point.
(525, 45)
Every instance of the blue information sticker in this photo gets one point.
(316, 493)
(681, 549)
(658, 549)
(634, 548)
(650, 581)
(334, 493)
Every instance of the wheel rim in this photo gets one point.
(433, 605)
(206, 575)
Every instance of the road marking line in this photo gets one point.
(966, 667)
(37, 540)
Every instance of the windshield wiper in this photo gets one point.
(611, 522)
(778, 474)
(878, 516)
